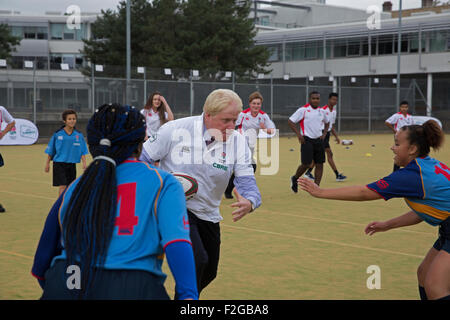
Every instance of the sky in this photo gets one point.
(41, 6)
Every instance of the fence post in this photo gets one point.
(370, 105)
(191, 98)
(339, 103)
(271, 96)
(93, 87)
(34, 91)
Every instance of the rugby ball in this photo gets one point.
(347, 142)
(189, 184)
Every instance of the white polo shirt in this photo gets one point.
(246, 121)
(152, 120)
(331, 115)
(180, 146)
(311, 120)
(398, 120)
(5, 116)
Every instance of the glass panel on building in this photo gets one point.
(56, 31)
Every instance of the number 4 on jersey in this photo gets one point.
(444, 170)
(126, 196)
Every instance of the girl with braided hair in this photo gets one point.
(115, 222)
(424, 183)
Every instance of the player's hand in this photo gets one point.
(301, 139)
(47, 168)
(375, 227)
(338, 141)
(244, 206)
(323, 136)
(261, 125)
(309, 186)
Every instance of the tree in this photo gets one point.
(7, 42)
(196, 34)
(218, 35)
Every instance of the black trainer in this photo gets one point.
(2, 209)
(294, 184)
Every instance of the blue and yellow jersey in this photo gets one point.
(151, 214)
(425, 185)
(67, 148)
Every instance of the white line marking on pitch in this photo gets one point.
(16, 254)
(340, 221)
(28, 195)
(25, 180)
(325, 241)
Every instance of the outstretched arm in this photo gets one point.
(407, 219)
(351, 193)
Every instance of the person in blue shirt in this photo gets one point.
(107, 234)
(65, 149)
(424, 183)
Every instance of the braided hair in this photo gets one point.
(90, 217)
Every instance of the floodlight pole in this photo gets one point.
(34, 91)
(128, 85)
(399, 48)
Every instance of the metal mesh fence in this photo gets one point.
(362, 108)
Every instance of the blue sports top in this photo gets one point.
(67, 148)
(151, 218)
(425, 185)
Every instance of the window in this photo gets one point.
(414, 43)
(311, 50)
(60, 31)
(295, 51)
(340, 48)
(438, 41)
(385, 44)
(41, 33)
(69, 59)
(274, 53)
(373, 46)
(56, 31)
(353, 47)
(29, 32)
(69, 34)
(79, 61)
(403, 43)
(17, 32)
(264, 21)
(80, 34)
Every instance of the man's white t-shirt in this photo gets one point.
(311, 120)
(180, 146)
(398, 120)
(331, 116)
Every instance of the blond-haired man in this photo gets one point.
(208, 148)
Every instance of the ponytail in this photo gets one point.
(114, 133)
(426, 136)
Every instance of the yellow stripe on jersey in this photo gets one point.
(421, 178)
(428, 210)
(160, 186)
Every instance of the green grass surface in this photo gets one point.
(293, 247)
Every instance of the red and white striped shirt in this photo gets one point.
(311, 120)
